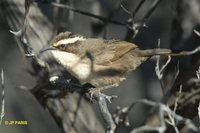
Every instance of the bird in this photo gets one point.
(99, 62)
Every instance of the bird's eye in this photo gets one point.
(61, 46)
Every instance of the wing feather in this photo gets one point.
(107, 51)
(103, 52)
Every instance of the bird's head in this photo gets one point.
(64, 41)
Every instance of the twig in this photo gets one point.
(137, 8)
(177, 99)
(111, 14)
(126, 10)
(197, 32)
(152, 8)
(199, 112)
(101, 98)
(20, 33)
(121, 115)
(25, 46)
(159, 72)
(134, 27)
(3, 97)
(171, 120)
(104, 19)
(198, 73)
(198, 78)
(163, 109)
(184, 53)
(159, 129)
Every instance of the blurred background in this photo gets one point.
(141, 83)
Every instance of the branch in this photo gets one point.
(36, 39)
(3, 98)
(138, 7)
(159, 72)
(171, 120)
(134, 27)
(151, 9)
(162, 110)
(101, 98)
(121, 115)
(199, 111)
(104, 19)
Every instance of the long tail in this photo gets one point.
(164, 52)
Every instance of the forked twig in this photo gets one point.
(171, 120)
(162, 110)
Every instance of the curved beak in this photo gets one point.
(47, 49)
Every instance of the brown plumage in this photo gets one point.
(97, 61)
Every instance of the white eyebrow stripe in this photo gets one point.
(71, 40)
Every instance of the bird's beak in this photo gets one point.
(47, 49)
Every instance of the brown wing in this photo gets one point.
(108, 51)
(122, 47)
(102, 51)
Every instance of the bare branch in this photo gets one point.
(171, 120)
(125, 10)
(160, 128)
(199, 111)
(197, 32)
(105, 112)
(151, 9)
(121, 115)
(159, 72)
(138, 7)
(104, 19)
(3, 98)
(198, 73)
(163, 109)
(184, 53)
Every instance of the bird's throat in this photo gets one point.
(74, 64)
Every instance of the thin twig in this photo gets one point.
(159, 72)
(3, 97)
(137, 8)
(177, 99)
(126, 10)
(111, 14)
(121, 116)
(25, 46)
(171, 120)
(199, 112)
(184, 53)
(151, 9)
(163, 109)
(197, 32)
(134, 27)
(104, 19)
(198, 73)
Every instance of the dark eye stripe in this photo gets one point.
(61, 46)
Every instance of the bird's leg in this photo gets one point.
(92, 91)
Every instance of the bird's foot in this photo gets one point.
(93, 91)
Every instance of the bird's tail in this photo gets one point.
(153, 52)
(164, 52)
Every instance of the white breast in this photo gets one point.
(74, 64)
